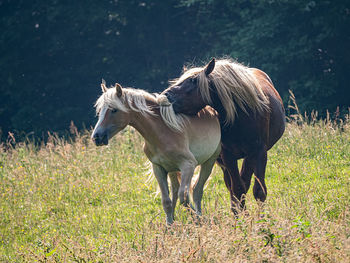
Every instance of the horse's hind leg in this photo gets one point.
(260, 190)
(186, 176)
(204, 174)
(161, 176)
(174, 189)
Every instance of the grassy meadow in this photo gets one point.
(75, 202)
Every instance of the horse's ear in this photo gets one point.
(210, 67)
(103, 86)
(119, 89)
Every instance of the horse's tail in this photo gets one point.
(150, 178)
(148, 172)
(194, 180)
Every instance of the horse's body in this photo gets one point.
(251, 115)
(168, 150)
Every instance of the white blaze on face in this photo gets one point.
(101, 117)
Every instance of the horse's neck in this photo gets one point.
(146, 125)
(217, 105)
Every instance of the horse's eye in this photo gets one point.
(114, 110)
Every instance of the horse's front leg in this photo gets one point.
(247, 171)
(161, 176)
(259, 189)
(187, 171)
(233, 181)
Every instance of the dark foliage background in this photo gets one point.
(54, 53)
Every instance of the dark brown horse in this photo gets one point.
(251, 115)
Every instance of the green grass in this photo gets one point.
(74, 202)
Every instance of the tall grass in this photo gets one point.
(74, 202)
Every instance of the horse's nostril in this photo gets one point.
(100, 139)
(105, 140)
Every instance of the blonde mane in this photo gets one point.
(136, 100)
(131, 99)
(235, 84)
(177, 122)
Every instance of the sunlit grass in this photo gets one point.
(73, 201)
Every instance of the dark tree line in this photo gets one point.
(54, 53)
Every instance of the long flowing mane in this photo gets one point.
(136, 100)
(177, 122)
(235, 84)
(131, 99)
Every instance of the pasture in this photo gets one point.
(70, 201)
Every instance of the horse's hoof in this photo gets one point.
(237, 209)
(169, 222)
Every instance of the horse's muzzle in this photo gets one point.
(173, 101)
(169, 96)
(100, 139)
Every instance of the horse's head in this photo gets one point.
(112, 115)
(185, 94)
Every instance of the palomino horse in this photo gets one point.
(251, 116)
(168, 150)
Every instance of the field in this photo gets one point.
(70, 201)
